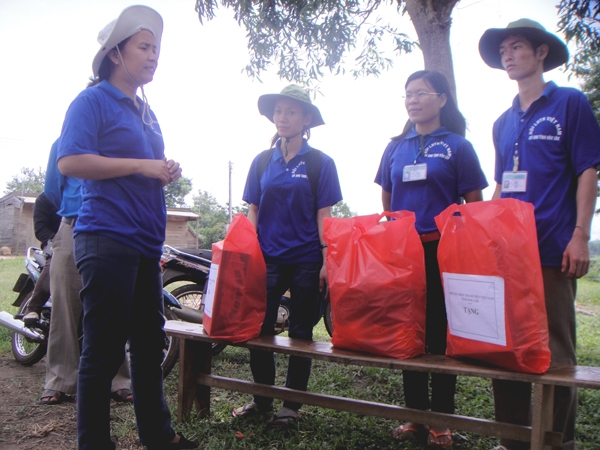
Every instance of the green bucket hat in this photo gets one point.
(266, 103)
(489, 44)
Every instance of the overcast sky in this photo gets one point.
(206, 105)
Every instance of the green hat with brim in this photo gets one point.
(489, 44)
(266, 103)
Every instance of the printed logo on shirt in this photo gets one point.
(295, 173)
(545, 129)
(155, 129)
(438, 150)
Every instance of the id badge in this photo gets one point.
(514, 181)
(414, 172)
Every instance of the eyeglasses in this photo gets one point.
(420, 95)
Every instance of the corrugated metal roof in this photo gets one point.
(182, 213)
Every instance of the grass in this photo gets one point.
(10, 269)
(327, 429)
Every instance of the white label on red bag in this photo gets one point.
(475, 307)
(209, 297)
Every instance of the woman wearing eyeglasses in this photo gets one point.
(425, 169)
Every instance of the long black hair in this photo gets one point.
(450, 116)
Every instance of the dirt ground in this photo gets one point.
(27, 425)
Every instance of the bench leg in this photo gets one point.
(194, 358)
(543, 407)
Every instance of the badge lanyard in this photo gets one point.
(416, 171)
(515, 181)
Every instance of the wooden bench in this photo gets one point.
(196, 381)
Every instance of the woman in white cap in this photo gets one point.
(111, 139)
(290, 189)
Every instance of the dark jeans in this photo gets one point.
(122, 300)
(416, 384)
(303, 282)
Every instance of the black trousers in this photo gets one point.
(416, 384)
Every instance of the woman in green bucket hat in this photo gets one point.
(290, 189)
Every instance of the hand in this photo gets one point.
(576, 258)
(154, 168)
(174, 169)
(323, 277)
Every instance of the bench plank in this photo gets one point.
(560, 375)
(375, 409)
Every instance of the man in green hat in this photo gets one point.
(547, 153)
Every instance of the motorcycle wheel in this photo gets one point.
(24, 351)
(192, 295)
(171, 352)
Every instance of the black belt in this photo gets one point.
(69, 220)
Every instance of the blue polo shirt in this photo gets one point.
(71, 197)
(452, 170)
(103, 121)
(557, 138)
(287, 209)
(63, 192)
(53, 181)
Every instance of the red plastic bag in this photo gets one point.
(376, 276)
(236, 296)
(489, 260)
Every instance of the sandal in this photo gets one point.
(31, 318)
(284, 418)
(52, 397)
(433, 439)
(408, 431)
(122, 396)
(251, 409)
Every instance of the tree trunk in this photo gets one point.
(431, 19)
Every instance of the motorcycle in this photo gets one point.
(29, 343)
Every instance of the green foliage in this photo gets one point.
(302, 37)
(342, 210)
(241, 209)
(175, 192)
(594, 271)
(579, 21)
(595, 248)
(588, 340)
(588, 418)
(28, 181)
(214, 217)
(591, 87)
